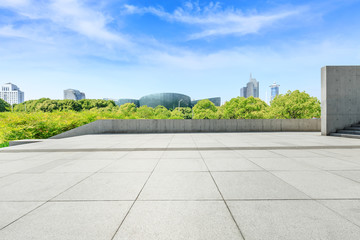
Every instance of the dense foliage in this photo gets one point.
(294, 105)
(48, 105)
(245, 108)
(44, 118)
(4, 106)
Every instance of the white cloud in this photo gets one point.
(14, 3)
(9, 31)
(73, 15)
(215, 21)
(77, 17)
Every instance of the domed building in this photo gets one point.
(168, 100)
(122, 101)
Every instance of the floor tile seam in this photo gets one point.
(223, 200)
(336, 174)
(181, 149)
(66, 161)
(184, 200)
(293, 199)
(91, 174)
(305, 164)
(17, 219)
(282, 180)
(337, 213)
(339, 159)
(348, 161)
(47, 201)
(345, 170)
(15, 181)
(149, 140)
(136, 199)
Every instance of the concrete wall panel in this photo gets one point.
(340, 97)
(195, 125)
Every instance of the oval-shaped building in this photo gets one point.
(168, 100)
(122, 101)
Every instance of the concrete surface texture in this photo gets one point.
(340, 97)
(182, 186)
(193, 125)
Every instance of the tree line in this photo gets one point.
(292, 105)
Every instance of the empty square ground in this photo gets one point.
(251, 186)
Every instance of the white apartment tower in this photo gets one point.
(11, 94)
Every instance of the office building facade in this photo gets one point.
(251, 89)
(274, 90)
(73, 94)
(215, 100)
(168, 100)
(11, 94)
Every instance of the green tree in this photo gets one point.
(4, 106)
(205, 109)
(244, 108)
(294, 105)
(161, 112)
(128, 110)
(145, 112)
(181, 113)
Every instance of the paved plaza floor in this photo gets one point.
(182, 186)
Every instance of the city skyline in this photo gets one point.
(128, 49)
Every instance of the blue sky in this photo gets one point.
(127, 49)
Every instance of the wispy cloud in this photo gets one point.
(72, 15)
(213, 20)
(9, 31)
(14, 3)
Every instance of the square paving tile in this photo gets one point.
(182, 164)
(190, 220)
(353, 175)
(258, 153)
(13, 178)
(349, 209)
(107, 186)
(181, 154)
(297, 153)
(21, 165)
(39, 187)
(132, 165)
(103, 155)
(10, 211)
(295, 220)
(144, 154)
(4, 156)
(329, 163)
(282, 163)
(180, 186)
(320, 184)
(230, 164)
(254, 185)
(219, 154)
(74, 166)
(69, 220)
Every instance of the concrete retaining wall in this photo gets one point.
(188, 126)
(340, 97)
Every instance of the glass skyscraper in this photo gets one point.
(251, 89)
(274, 90)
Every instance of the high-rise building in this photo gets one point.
(11, 94)
(73, 94)
(274, 90)
(251, 89)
